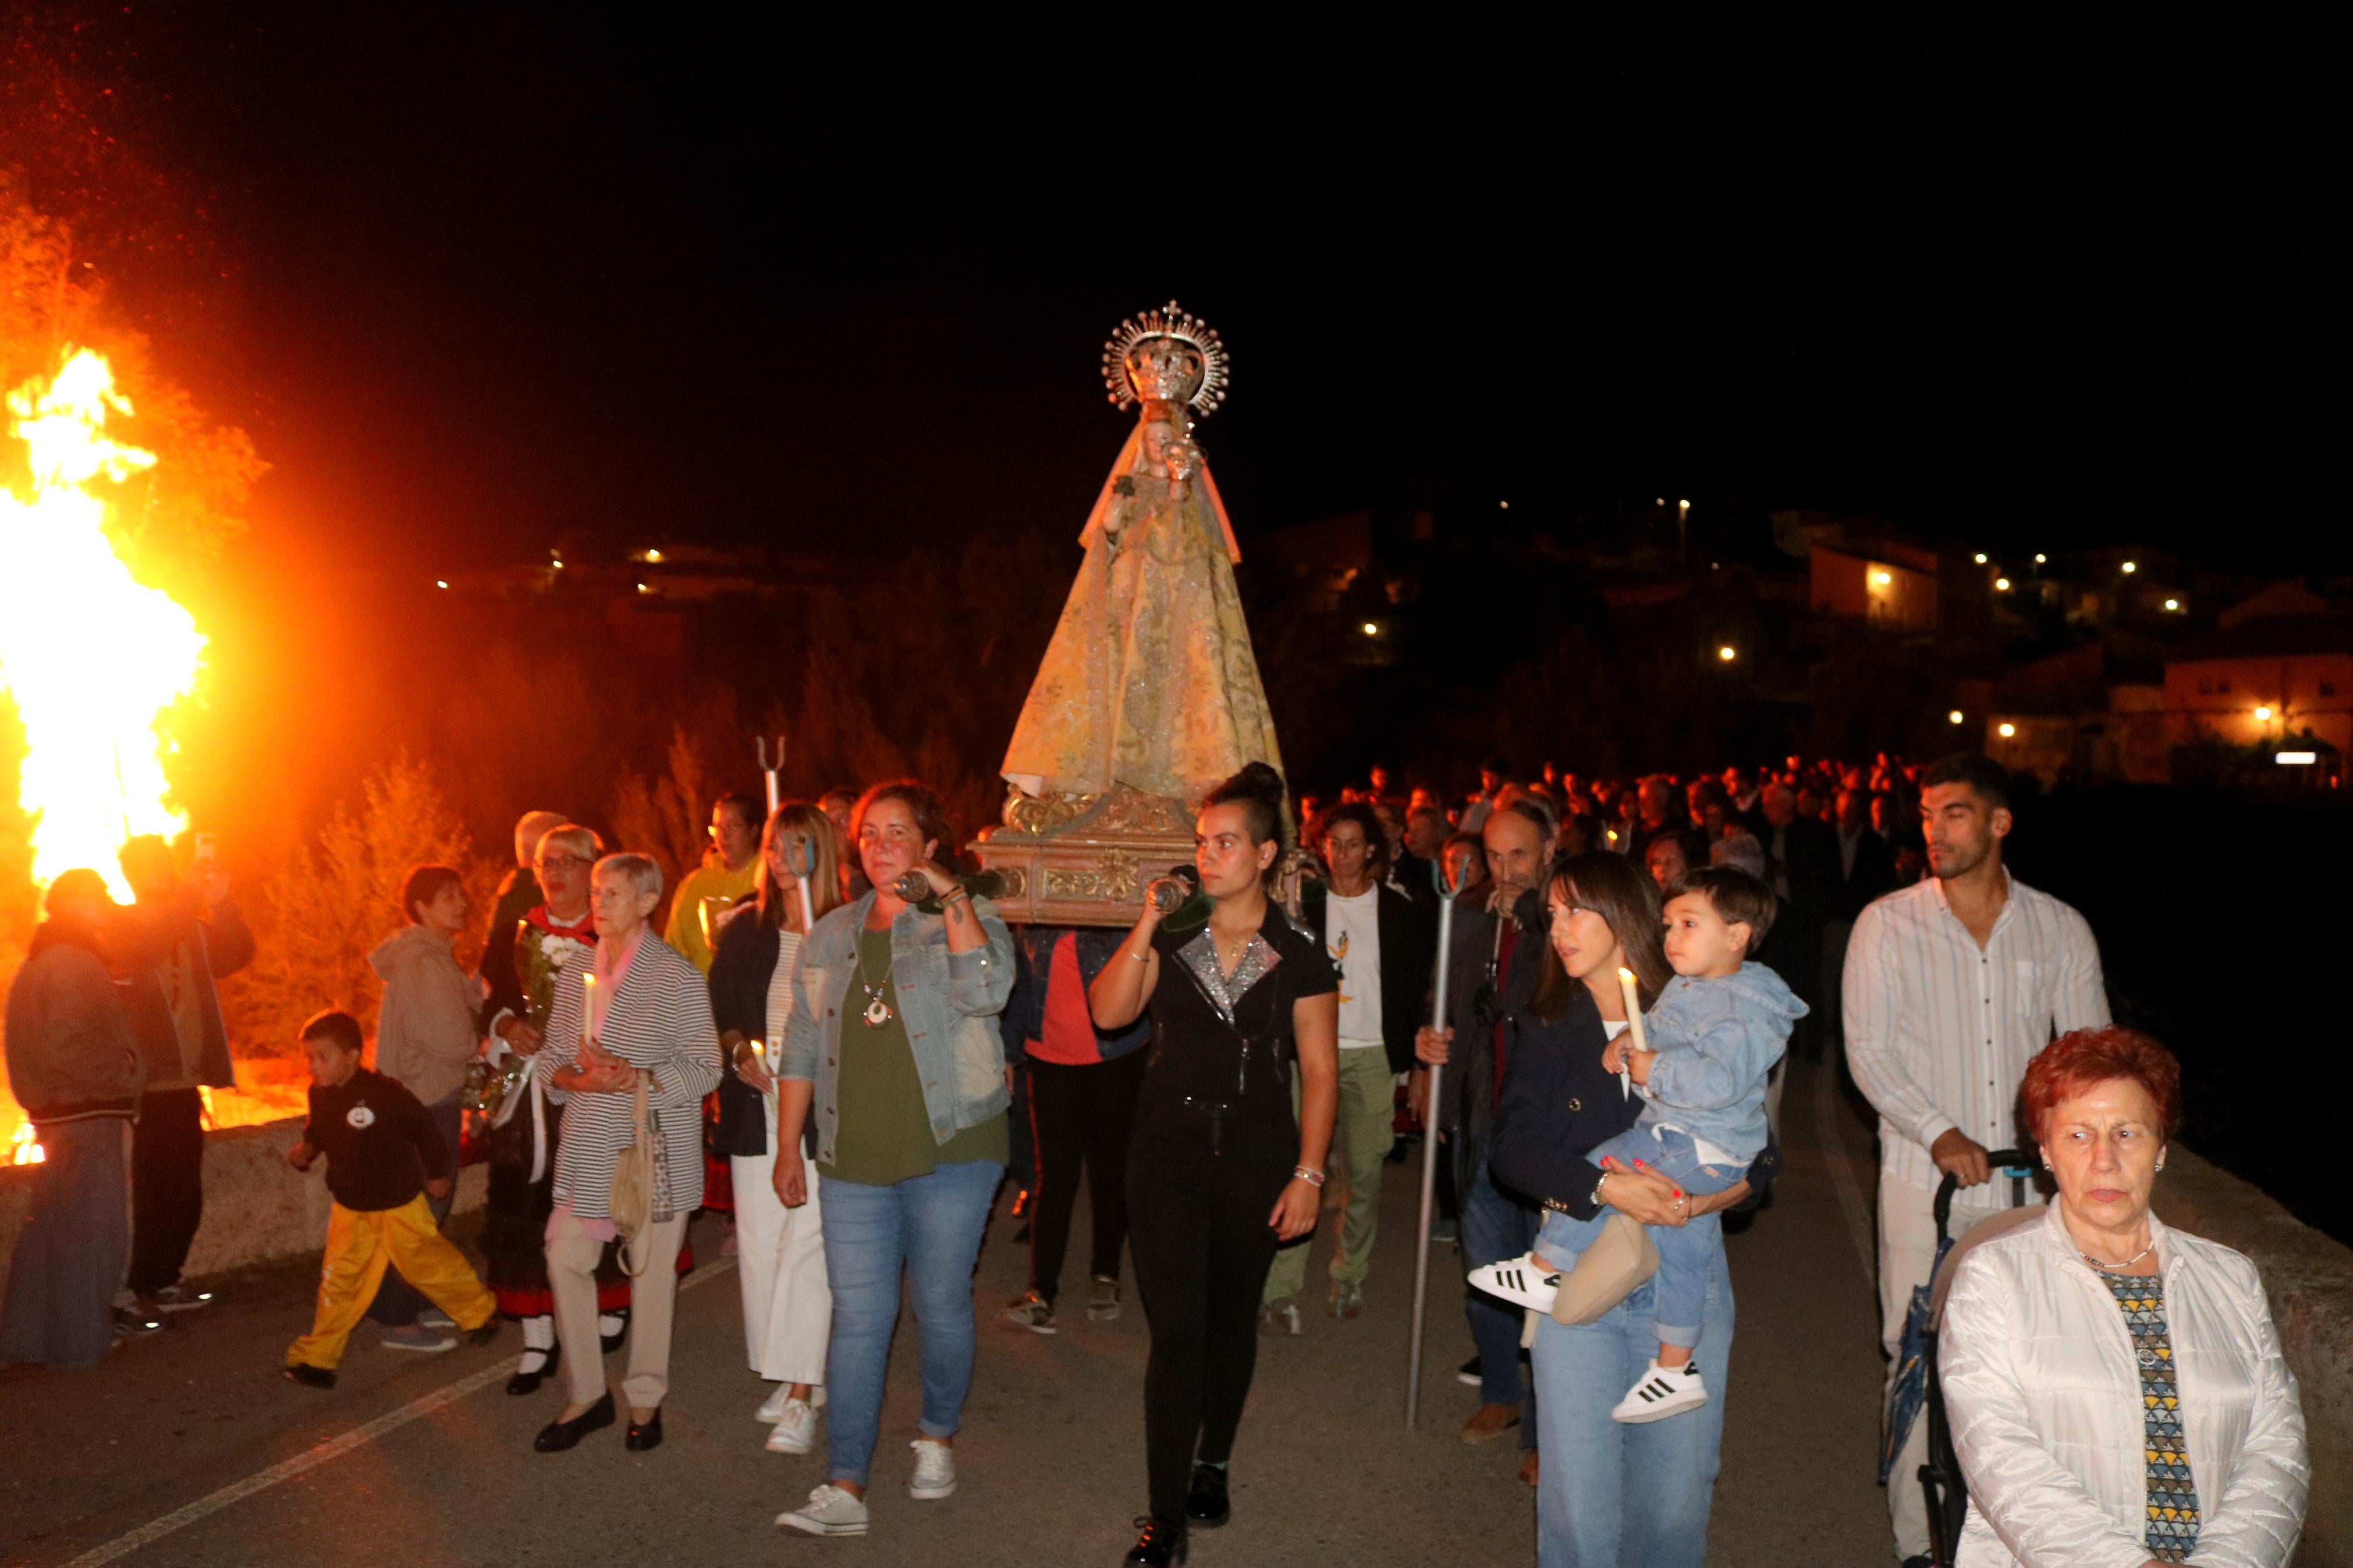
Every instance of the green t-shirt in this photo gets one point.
(882, 1133)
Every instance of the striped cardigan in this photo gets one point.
(659, 1018)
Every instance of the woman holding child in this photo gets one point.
(1611, 1491)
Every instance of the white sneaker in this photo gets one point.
(829, 1511)
(796, 1428)
(1525, 1282)
(772, 1409)
(1663, 1392)
(934, 1469)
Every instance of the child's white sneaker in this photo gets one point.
(1663, 1391)
(796, 1428)
(1525, 1282)
(829, 1511)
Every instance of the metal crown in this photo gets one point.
(1170, 324)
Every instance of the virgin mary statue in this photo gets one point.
(1149, 682)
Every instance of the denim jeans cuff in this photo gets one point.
(930, 1429)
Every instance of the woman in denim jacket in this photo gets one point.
(893, 1047)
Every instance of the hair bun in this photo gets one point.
(1256, 779)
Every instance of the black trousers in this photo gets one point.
(1197, 1227)
(167, 1186)
(1080, 1113)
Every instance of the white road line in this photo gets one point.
(1851, 1201)
(332, 1448)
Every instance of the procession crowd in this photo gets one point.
(833, 1038)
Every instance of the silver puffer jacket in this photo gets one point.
(2044, 1395)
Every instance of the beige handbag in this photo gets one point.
(632, 1206)
(1621, 1257)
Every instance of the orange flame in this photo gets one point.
(22, 1150)
(92, 657)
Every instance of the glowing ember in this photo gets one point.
(22, 1150)
(92, 657)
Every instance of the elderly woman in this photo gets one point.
(892, 1047)
(2115, 1388)
(651, 1020)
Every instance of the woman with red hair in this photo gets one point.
(2115, 1388)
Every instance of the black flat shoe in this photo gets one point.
(1161, 1544)
(558, 1436)
(528, 1382)
(309, 1377)
(643, 1435)
(610, 1343)
(1206, 1504)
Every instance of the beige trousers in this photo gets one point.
(1907, 1256)
(572, 1257)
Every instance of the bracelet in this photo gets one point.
(1143, 957)
(1301, 1173)
(952, 894)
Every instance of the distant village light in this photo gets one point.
(2132, 566)
(440, 582)
(1504, 504)
(643, 589)
(1981, 557)
(1372, 629)
(1954, 717)
(2001, 584)
(2040, 558)
(2006, 731)
(1728, 653)
(653, 557)
(2173, 603)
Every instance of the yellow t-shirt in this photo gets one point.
(691, 928)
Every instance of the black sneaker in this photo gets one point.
(1206, 1504)
(1466, 1375)
(130, 1323)
(1161, 1543)
(484, 1334)
(309, 1377)
(180, 1299)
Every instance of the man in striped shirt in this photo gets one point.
(1952, 985)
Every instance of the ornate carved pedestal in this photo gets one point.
(1083, 859)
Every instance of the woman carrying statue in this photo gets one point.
(780, 1251)
(1220, 1172)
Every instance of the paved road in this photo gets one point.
(108, 1465)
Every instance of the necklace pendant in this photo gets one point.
(878, 1012)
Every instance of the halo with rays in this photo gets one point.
(1169, 321)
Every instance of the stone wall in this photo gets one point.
(256, 1207)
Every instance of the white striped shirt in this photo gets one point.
(1939, 1031)
(658, 1017)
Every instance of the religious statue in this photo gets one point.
(1149, 694)
(1150, 681)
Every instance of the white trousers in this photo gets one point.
(780, 1259)
(1907, 1256)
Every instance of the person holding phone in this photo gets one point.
(1220, 1170)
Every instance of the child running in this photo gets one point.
(1718, 1027)
(383, 1155)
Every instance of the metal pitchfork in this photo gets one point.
(760, 750)
(1447, 889)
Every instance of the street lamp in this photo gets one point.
(1954, 717)
(2173, 603)
(1981, 557)
(2131, 567)
(1728, 653)
(2006, 731)
(2001, 584)
(2263, 715)
(440, 582)
(1883, 578)
(1372, 629)
(2040, 558)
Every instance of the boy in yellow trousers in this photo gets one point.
(383, 1155)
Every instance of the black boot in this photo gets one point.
(1206, 1504)
(1161, 1544)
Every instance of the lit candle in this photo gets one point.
(589, 1019)
(1633, 1026)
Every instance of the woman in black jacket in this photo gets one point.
(1220, 1171)
(1605, 1489)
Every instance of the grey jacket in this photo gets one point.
(72, 1054)
(950, 1000)
(426, 1026)
(222, 945)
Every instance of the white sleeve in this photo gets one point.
(2038, 1507)
(2255, 1520)
(2081, 999)
(1880, 1044)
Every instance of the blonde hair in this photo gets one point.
(571, 836)
(826, 892)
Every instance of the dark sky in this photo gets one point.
(495, 272)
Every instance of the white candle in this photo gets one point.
(1634, 1028)
(589, 1019)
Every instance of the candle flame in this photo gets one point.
(92, 657)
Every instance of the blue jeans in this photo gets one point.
(1681, 1284)
(1619, 1496)
(1495, 1227)
(929, 1227)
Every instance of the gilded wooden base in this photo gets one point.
(1083, 859)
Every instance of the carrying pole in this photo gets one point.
(1447, 892)
(760, 747)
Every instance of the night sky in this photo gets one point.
(475, 276)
